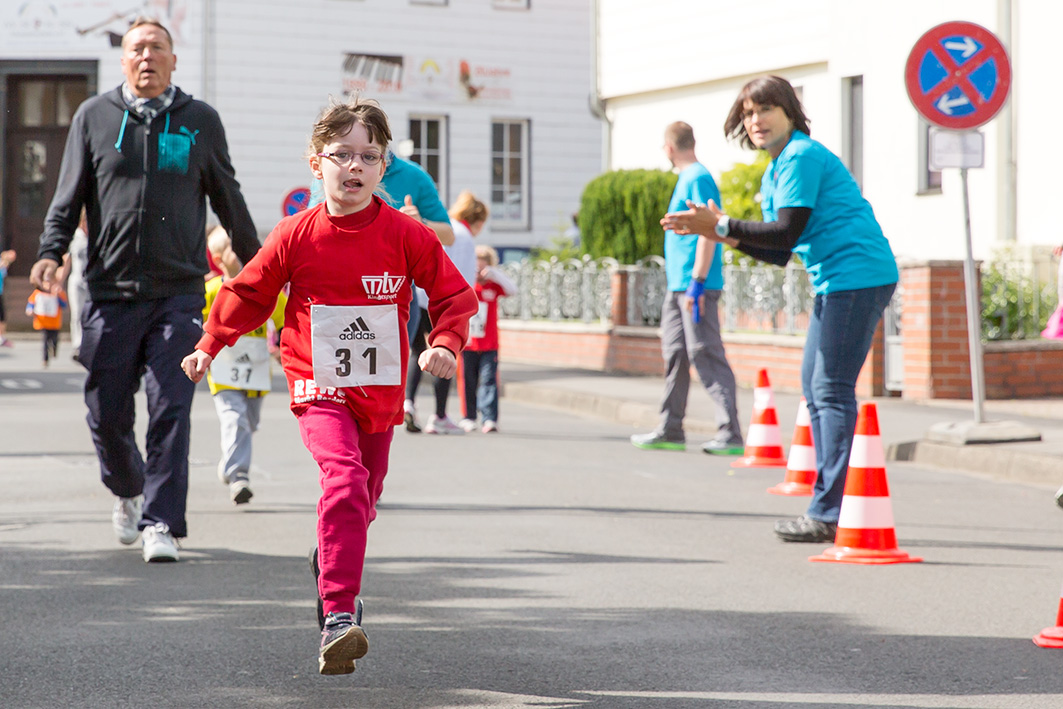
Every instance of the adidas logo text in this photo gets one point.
(358, 330)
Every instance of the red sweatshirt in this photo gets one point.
(362, 259)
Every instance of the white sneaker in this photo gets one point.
(490, 427)
(442, 426)
(125, 517)
(467, 425)
(159, 544)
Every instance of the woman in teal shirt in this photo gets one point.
(813, 208)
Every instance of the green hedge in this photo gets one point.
(620, 214)
(740, 186)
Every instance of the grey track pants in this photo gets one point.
(683, 343)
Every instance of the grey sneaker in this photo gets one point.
(716, 447)
(159, 544)
(805, 529)
(125, 517)
(240, 489)
(658, 441)
(342, 642)
(1059, 497)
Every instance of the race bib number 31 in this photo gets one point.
(356, 345)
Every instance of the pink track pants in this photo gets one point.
(352, 466)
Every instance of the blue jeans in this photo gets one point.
(839, 337)
(481, 384)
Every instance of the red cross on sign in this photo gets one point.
(958, 75)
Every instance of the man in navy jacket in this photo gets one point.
(141, 159)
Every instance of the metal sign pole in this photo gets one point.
(974, 312)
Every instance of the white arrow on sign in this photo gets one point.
(945, 105)
(967, 46)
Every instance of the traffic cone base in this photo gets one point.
(1052, 636)
(1049, 637)
(856, 555)
(794, 489)
(801, 463)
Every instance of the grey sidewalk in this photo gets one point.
(636, 401)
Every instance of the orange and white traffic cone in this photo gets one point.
(763, 441)
(801, 463)
(1052, 636)
(865, 526)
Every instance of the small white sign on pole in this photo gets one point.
(959, 149)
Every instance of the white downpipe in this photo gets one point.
(597, 105)
(1007, 182)
(207, 53)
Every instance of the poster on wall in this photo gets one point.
(456, 79)
(84, 23)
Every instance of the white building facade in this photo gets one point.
(687, 60)
(490, 96)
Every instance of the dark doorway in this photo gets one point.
(39, 110)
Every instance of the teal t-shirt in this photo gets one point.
(696, 184)
(842, 246)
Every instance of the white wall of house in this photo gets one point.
(684, 60)
(269, 66)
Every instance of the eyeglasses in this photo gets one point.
(345, 158)
(747, 115)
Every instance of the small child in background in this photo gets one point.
(480, 357)
(6, 259)
(239, 377)
(47, 311)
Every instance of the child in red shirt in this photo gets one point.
(46, 307)
(348, 261)
(480, 358)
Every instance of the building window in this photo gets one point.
(429, 137)
(853, 126)
(929, 180)
(509, 174)
(511, 4)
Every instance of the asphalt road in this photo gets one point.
(552, 565)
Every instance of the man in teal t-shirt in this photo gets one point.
(694, 269)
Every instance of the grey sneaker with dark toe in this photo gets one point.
(240, 489)
(658, 441)
(342, 642)
(805, 529)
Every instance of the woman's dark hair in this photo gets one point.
(767, 91)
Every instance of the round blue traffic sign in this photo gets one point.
(958, 75)
(295, 201)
